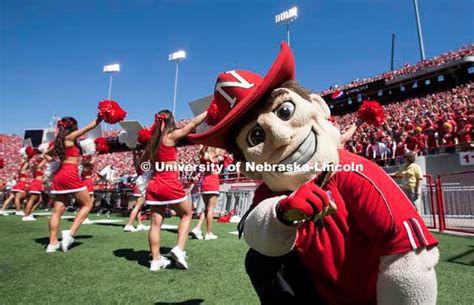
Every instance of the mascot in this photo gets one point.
(333, 228)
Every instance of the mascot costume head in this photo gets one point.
(279, 122)
(352, 235)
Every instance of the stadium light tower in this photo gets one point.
(420, 34)
(393, 52)
(176, 57)
(287, 17)
(111, 69)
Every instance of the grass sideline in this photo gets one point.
(108, 266)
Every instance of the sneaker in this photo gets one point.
(141, 227)
(3, 213)
(129, 228)
(179, 257)
(162, 263)
(87, 221)
(67, 240)
(196, 233)
(210, 236)
(19, 213)
(28, 218)
(53, 248)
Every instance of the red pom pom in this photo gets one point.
(371, 112)
(100, 141)
(212, 114)
(2, 163)
(30, 152)
(102, 149)
(224, 218)
(144, 135)
(111, 112)
(101, 145)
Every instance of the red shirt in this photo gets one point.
(409, 127)
(431, 138)
(464, 135)
(374, 218)
(449, 139)
(411, 142)
(421, 141)
(400, 149)
(227, 161)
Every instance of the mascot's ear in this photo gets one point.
(321, 104)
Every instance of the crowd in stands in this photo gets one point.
(9, 146)
(427, 125)
(440, 122)
(406, 69)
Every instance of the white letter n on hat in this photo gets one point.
(242, 83)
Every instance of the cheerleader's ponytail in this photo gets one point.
(65, 126)
(164, 123)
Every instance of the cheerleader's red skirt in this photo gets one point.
(19, 187)
(210, 184)
(67, 180)
(36, 187)
(165, 188)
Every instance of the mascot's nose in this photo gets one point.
(277, 135)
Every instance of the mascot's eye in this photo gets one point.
(285, 110)
(256, 136)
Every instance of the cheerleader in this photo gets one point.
(18, 191)
(36, 188)
(66, 182)
(209, 190)
(139, 192)
(165, 188)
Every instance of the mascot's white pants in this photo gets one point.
(407, 278)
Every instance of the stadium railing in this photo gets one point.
(399, 159)
(428, 208)
(447, 203)
(232, 177)
(455, 196)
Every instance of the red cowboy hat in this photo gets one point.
(236, 92)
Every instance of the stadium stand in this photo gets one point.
(429, 123)
(406, 69)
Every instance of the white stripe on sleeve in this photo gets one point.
(410, 234)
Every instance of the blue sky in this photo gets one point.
(52, 52)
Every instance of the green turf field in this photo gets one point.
(108, 266)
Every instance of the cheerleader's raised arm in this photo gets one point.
(177, 134)
(80, 132)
